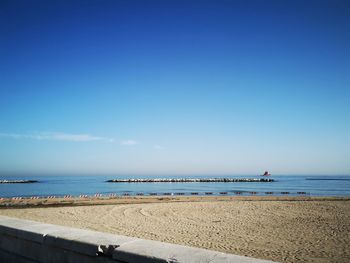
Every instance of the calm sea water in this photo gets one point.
(76, 185)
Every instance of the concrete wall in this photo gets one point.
(24, 241)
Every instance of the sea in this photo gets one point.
(323, 185)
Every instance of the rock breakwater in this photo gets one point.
(190, 180)
(17, 181)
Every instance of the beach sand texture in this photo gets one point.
(284, 231)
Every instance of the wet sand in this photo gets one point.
(285, 229)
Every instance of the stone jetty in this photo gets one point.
(190, 180)
(17, 181)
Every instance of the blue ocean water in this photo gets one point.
(89, 185)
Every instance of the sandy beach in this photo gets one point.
(284, 229)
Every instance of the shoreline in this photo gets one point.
(10, 203)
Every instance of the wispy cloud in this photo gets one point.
(128, 142)
(158, 147)
(56, 136)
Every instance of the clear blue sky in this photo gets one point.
(174, 87)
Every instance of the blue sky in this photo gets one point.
(174, 87)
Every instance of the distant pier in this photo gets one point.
(191, 180)
(17, 181)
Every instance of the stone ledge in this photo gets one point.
(11, 258)
(149, 251)
(78, 240)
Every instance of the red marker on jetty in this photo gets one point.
(266, 173)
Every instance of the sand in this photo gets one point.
(280, 229)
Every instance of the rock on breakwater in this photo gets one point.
(190, 180)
